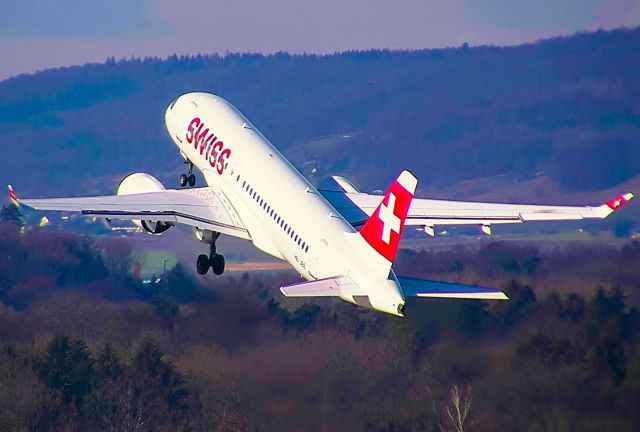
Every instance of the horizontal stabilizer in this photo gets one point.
(425, 288)
(330, 287)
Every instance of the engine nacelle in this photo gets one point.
(154, 227)
(141, 183)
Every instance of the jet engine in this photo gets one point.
(140, 183)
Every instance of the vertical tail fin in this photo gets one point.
(383, 229)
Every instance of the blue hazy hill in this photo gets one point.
(568, 107)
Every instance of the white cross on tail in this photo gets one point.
(389, 220)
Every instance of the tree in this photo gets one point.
(145, 395)
(67, 367)
(459, 408)
(25, 402)
(107, 401)
(10, 213)
(116, 255)
(178, 285)
(108, 365)
(157, 394)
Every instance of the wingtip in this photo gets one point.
(12, 196)
(617, 202)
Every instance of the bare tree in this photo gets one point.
(459, 408)
(435, 407)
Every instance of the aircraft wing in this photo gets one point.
(197, 207)
(356, 207)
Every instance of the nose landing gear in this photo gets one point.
(189, 178)
(214, 260)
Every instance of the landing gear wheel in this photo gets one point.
(202, 264)
(183, 180)
(217, 264)
(191, 179)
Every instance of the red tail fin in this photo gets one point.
(384, 228)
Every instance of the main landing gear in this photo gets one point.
(215, 261)
(189, 178)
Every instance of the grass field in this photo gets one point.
(153, 261)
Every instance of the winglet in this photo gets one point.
(12, 196)
(615, 203)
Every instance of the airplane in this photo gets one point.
(341, 241)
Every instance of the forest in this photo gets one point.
(563, 108)
(87, 346)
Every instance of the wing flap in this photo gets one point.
(427, 288)
(329, 287)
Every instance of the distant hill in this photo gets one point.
(565, 108)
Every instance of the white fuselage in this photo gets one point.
(284, 214)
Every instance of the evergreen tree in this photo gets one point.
(159, 394)
(67, 367)
(10, 213)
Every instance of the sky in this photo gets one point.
(39, 34)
